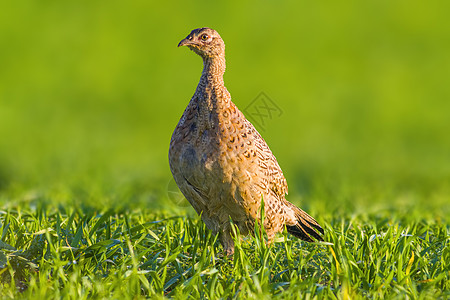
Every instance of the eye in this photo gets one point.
(204, 37)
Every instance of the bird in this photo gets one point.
(221, 163)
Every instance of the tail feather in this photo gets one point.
(306, 228)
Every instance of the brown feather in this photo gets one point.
(221, 163)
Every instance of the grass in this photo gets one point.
(59, 252)
(91, 92)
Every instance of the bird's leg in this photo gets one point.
(227, 242)
(270, 238)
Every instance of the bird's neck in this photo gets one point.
(211, 96)
(213, 70)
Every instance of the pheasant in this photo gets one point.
(221, 163)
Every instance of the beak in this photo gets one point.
(185, 42)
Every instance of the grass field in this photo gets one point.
(79, 253)
(90, 93)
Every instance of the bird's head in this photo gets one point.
(206, 42)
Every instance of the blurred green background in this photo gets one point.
(90, 92)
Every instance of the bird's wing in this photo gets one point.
(269, 164)
(265, 165)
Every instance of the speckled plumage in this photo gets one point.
(221, 163)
